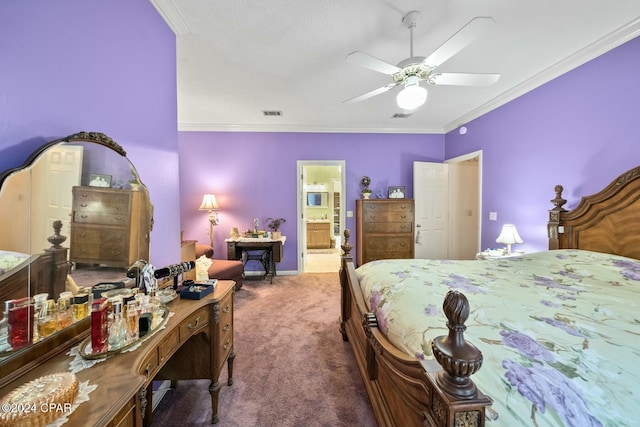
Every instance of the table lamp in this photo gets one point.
(210, 204)
(509, 236)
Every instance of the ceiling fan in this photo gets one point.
(416, 69)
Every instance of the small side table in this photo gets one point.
(188, 253)
(497, 254)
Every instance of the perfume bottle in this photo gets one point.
(117, 329)
(47, 319)
(99, 326)
(65, 312)
(19, 322)
(132, 321)
(38, 301)
(80, 306)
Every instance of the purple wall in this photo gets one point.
(576, 130)
(255, 175)
(72, 65)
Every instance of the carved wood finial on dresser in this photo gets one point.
(459, 359)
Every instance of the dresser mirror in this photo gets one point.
(76, 214)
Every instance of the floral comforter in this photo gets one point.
(559, 330)
(10, 260)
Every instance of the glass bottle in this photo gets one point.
(132, 321)
(117, 328)
(19, 322)
(99, 326)
(80, 306)
(38, 301)
(65, 312)
(47, 319)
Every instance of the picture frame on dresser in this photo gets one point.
(99, 180)
(396, 192)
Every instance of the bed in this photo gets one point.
(46, 271)
(545, 339)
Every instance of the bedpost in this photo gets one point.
(453, 396)
(56, 283)
(554, 226)
(345, 298)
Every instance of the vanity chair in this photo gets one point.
(221, 269)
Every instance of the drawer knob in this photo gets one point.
(225, 328)
(192, 327)
(227, 345)
(84, 205)
(226, 308)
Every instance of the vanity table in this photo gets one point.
(196, 343)
(318, 234)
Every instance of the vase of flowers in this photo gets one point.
(274, 224)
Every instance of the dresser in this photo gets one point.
(109, 226)
(196, 344)
(318, 235)
(384, 229)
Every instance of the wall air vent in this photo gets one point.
(272, 113)
(401, 115)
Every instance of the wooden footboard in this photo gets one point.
(403, 390)
(45, 272)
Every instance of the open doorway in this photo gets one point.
(321, 188)
(448, 203)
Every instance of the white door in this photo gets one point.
(60, 171)
(431, 195)
(464, 209)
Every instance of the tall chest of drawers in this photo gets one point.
(109, 226)
(384, 229)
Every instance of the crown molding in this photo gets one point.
(601, 46)
(223, 127)
(172, 16)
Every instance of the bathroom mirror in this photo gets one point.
(74, 215)
(317, 199)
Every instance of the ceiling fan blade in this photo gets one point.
(463, 79)
(371, 94)
(371, 62)
(476, 28)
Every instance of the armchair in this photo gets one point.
(221, 269)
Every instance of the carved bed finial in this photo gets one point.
(347, 246)
(57, 238)
(558, 201)
(459, 359)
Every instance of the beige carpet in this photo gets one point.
(291, 367)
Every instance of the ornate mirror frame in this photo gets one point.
(31, 279)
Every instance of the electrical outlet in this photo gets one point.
(493, 216)
(349, 214)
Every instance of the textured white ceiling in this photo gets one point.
(237, 58)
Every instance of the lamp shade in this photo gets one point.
(209, 203)
(509, 235)
(413, 95)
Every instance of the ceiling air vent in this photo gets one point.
(401, 115)
(272, 113)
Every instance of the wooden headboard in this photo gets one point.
(608, 221)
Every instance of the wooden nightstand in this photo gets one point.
(188, 253)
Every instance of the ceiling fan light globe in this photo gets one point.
(411, 97)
